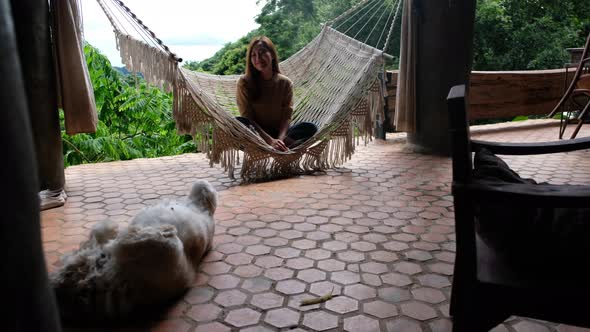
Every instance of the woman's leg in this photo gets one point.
(245, 121)
(300, 133)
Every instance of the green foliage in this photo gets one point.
(509, 34)
(528, 34)
(135, 120)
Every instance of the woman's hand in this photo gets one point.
(278, 144)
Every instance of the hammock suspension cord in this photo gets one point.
(355, 20)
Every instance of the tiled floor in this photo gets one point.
(378, 231)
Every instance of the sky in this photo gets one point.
(193, 29)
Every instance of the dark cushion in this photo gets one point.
(535, 232)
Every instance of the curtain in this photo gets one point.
(405, 108)
(76, 96)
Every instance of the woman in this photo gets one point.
(265, 98)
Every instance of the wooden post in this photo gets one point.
(444, 53)
(32, 26)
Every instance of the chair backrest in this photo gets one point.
(459, 131)
(488, 287)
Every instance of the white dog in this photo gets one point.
(118, 273)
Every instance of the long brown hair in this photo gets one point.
(252, 74)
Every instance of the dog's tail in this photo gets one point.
(204, 196)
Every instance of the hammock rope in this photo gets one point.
(337, 84)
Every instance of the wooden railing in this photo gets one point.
(505, 94)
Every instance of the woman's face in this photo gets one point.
(261, 58)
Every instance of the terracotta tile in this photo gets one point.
(311, 275)
(342, 304)
(242, 317)
(204, 312)
(345, 277)
(441, 268)
(239, 259)
(363, 246)
(394, 294)
(417, 310)
(384, 256)
(380, 309)
(392, 206)
(419, 255)
(376, 268)
(351, 256)
(441, 325)
(374, 238)
(268, 261)
(320, 321)
(317, 254)
(361, 323)
(347, 237)
(199, 295)
(258, 250)
(215, 268)
(334, 245)
(278, 273)
(256, 285)
(247, 240)
(428, 246)
(282, 318)
(290, 287)
(407, 268)
(429, 295)
(434, 280)
(267, 301)
(276, 242)
(305, 227)
(248, 271)
(224, 281)
(299, 263)
(230, 298)
(360, 292)
(229, 248)
(395, 246)
(287, 252)
(331, 265)
(317, 235)
(396, 279)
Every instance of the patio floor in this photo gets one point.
(379, 231)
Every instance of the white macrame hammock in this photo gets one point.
(338, 85)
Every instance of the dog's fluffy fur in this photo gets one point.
(117, 273)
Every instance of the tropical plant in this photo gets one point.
(135, 120)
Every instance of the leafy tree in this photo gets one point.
(528, 34)
(135, 120)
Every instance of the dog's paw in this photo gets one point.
(167, 230)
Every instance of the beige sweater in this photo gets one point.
(274, 105)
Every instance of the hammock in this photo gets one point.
(338, 85)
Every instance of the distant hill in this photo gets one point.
(122, 70)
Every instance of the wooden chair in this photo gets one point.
(486, 288)
(576, 99)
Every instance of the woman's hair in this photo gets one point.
(252, 74)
